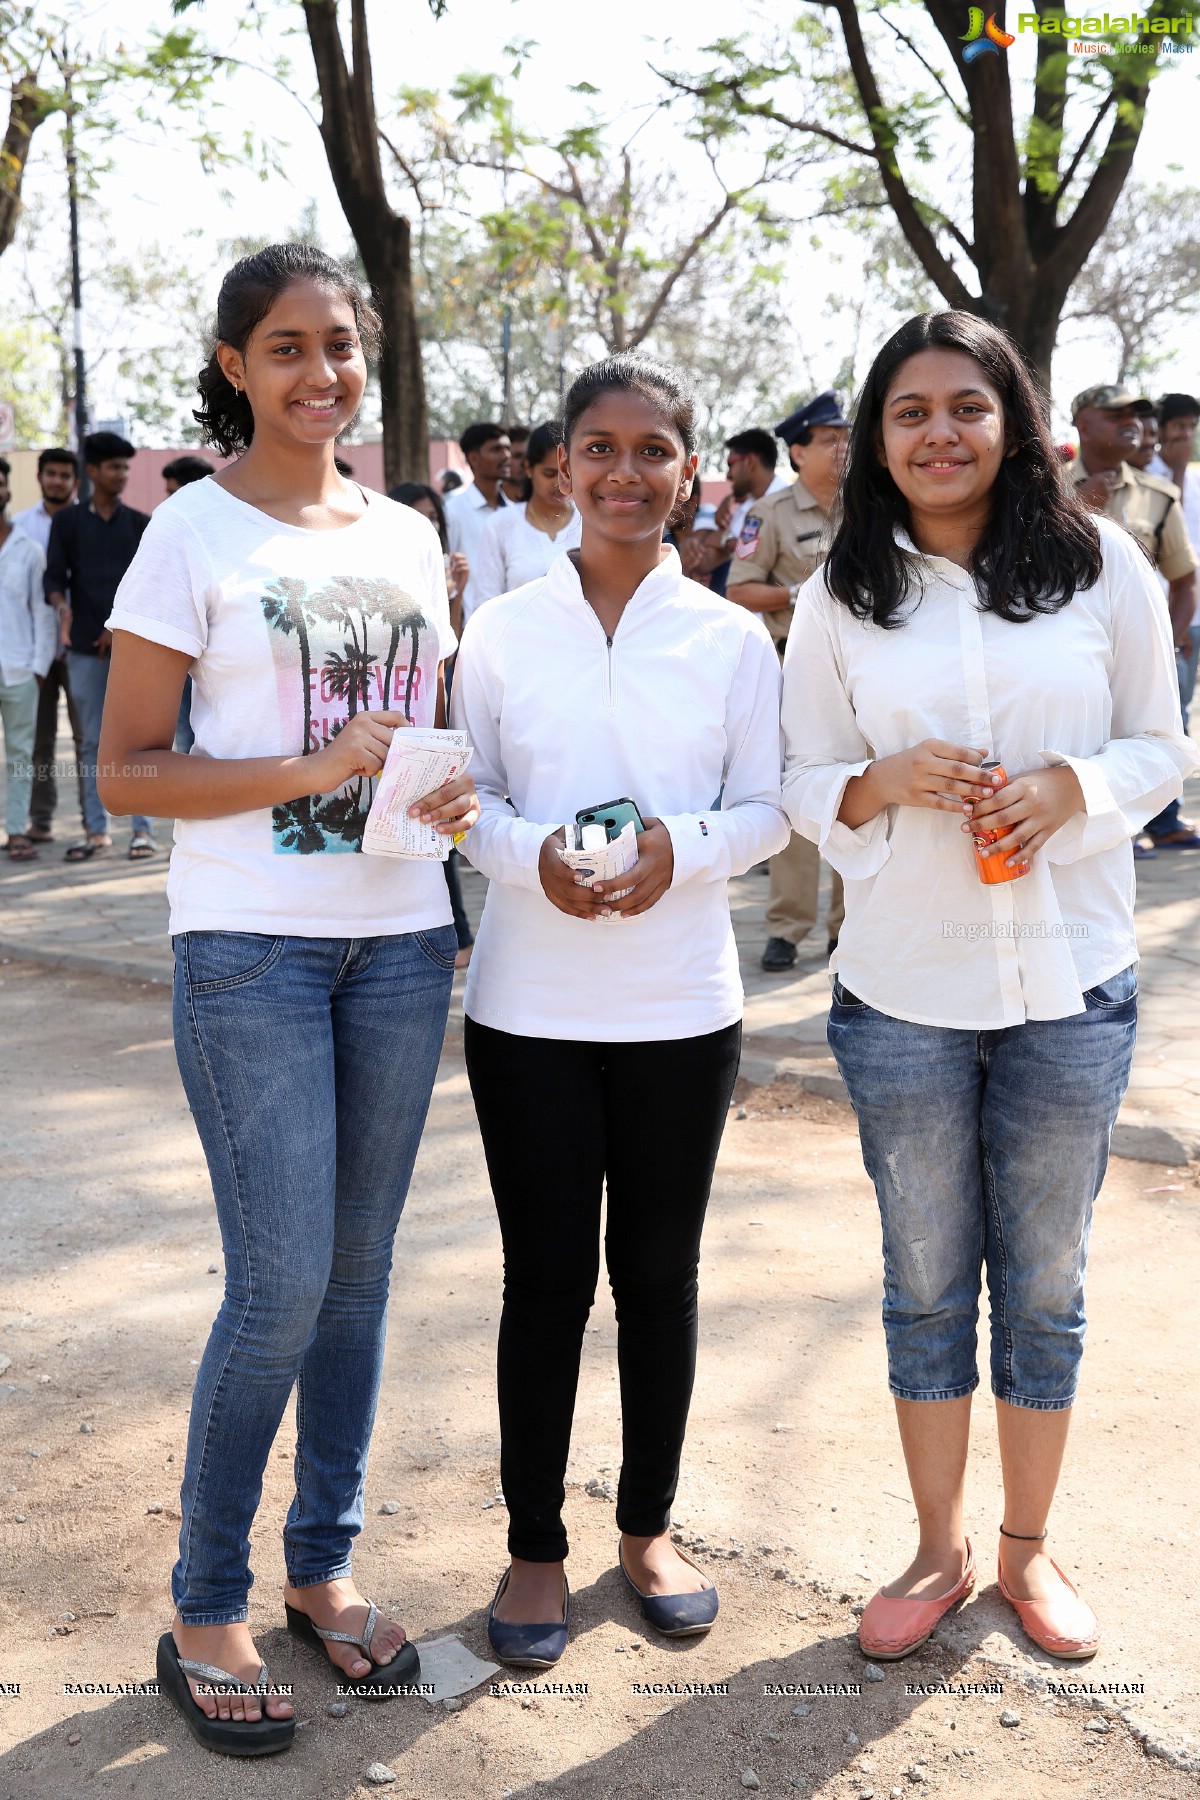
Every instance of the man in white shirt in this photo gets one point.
(58, 478)
(488, 451)
(28, 637)
(750, 468)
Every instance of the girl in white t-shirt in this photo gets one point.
(312, 982)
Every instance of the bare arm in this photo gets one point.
(759, 596)
(1181, 600)
(139, 772)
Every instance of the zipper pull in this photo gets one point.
(608, 640)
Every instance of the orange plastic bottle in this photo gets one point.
(994, 869)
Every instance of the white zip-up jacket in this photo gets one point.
(679, 711)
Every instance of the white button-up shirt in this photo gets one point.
(467, 518)
(28, 627)
(35, 523)
(1092, 685)
(1190, 501)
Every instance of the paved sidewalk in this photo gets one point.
(109, 916)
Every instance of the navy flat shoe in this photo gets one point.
(675, 1615)
(528, 1646)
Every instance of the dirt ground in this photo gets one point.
(793, 1493)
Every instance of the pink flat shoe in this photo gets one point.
(890, 1629)
(1065, 1626)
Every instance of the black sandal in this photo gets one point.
(385, 1680)
(228, 1737)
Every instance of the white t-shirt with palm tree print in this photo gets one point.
(293, 632)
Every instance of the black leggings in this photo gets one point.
(559, 1120)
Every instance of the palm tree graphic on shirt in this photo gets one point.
(341, 640)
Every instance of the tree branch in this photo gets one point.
(762, 109)
(646, 324)
(27, 110)
(941, 272)
(1075, 239)
(1081, 152)
(963, 117)
(406, 169)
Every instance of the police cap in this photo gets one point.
(824, 410)
(1111, 398)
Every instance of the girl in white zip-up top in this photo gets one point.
(602, 1034)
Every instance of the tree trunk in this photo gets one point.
(1025, 255)
(388, 262)
(350, 133)
(26, 112)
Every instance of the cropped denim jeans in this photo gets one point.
(308, 1064)
(987, 1150)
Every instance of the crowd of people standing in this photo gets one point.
(937, 658)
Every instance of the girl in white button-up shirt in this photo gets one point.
(971, 611)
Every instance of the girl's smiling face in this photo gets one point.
(942, 433)
(303, 369)
(625, 466)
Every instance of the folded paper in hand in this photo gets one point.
(606, 861)
(418, 761)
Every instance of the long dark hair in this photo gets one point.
(409, 492)
(1040, 545)
(542, 442)
(248, 292)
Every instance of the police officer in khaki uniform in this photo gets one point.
(784, 538)
(1109, 423)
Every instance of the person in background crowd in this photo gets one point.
(750, 468)
(1147, 451)
(605, 1060)
(971, 609)
(701, 547)
(489, 457)
(1178, 416)
(1109, 423)
(784, 537)
(90, 549)
(28, 640)
(312, 981)
(515, 483)
(450, 481)
(58, 477)
(428, 502)
(183, 471)
(178, 474)
(521, 542)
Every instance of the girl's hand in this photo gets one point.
(933, 773)
(358, 749)
(452, 808)
(458, 575)
(559, 884)
(649, 878)
(1029, 810)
